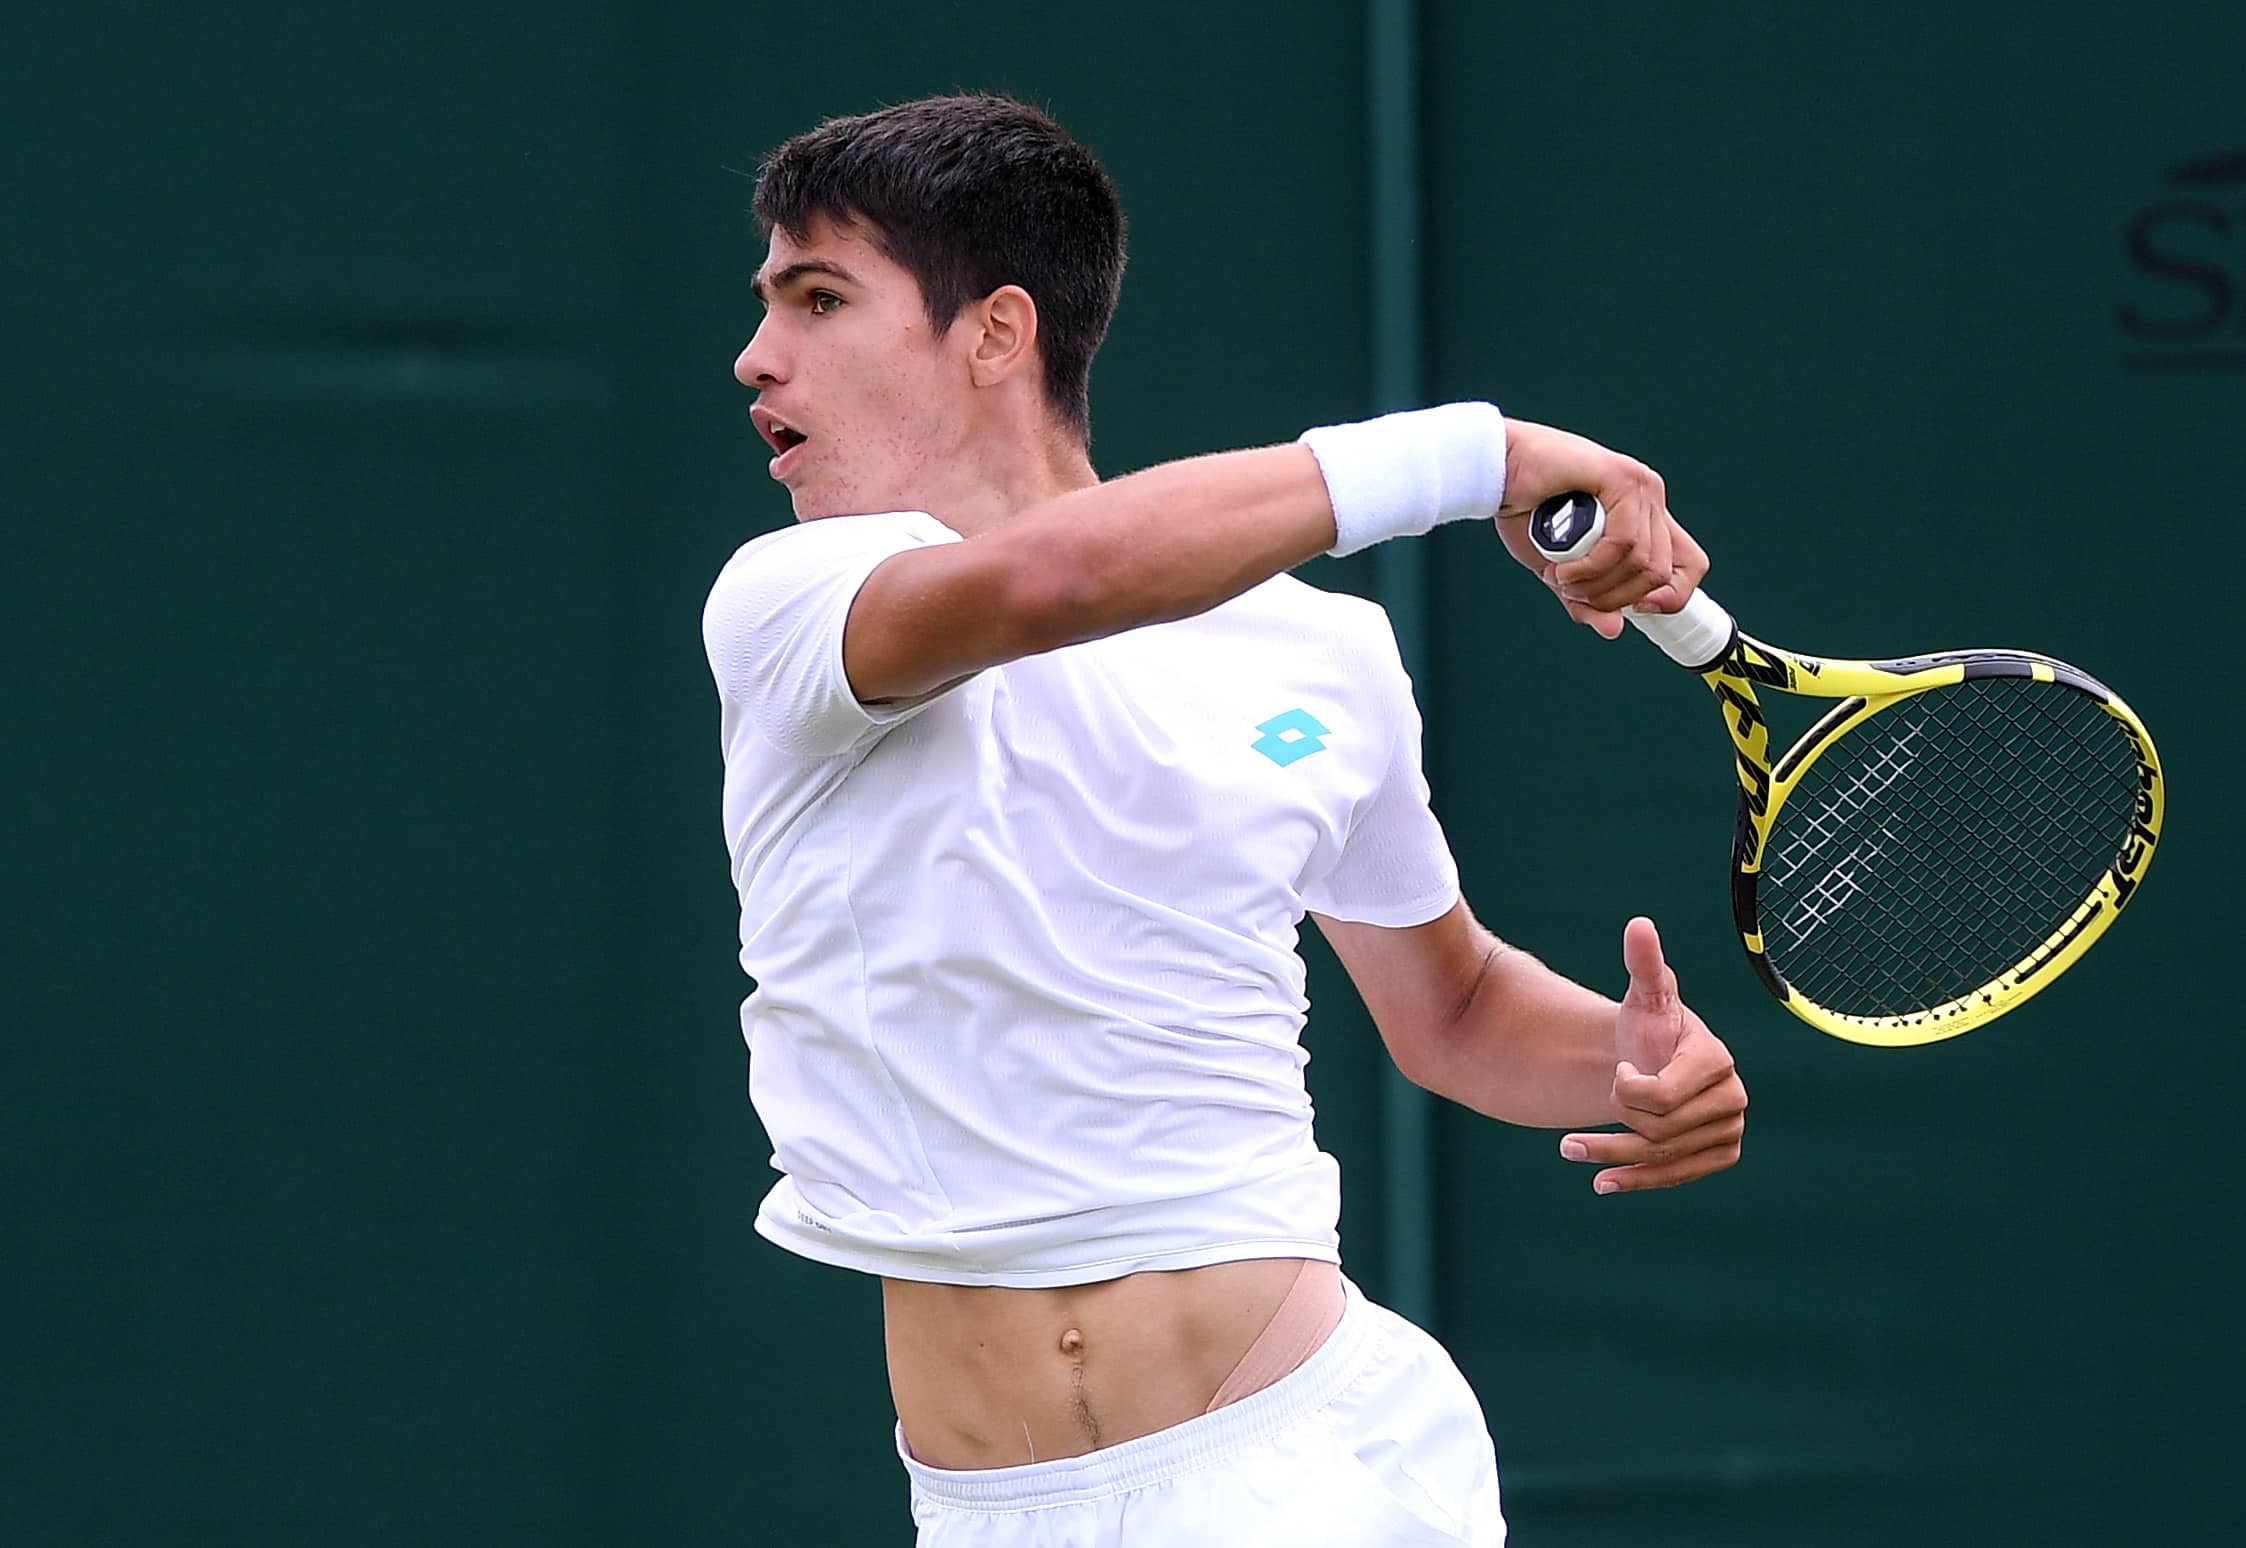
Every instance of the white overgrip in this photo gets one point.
(1694, 636)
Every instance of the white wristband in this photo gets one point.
(1404, 474)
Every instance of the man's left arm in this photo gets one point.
(1490, 1027)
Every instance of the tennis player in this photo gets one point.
(1029, 781)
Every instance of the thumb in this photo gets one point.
(1652, 985)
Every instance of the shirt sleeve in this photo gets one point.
(1396, 867)
(772, 629)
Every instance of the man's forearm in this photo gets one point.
(1530, 1047)
(1174, 540)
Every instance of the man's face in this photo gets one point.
(856, 392)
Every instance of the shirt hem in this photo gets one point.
(1423, 910)
(820, 1249)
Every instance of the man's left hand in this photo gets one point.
(1674, 1085)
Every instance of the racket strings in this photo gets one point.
(2031, 872)
(1908, 964)
(1938, 843)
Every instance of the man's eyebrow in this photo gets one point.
(781, 279)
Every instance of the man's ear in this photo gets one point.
(1005, 338)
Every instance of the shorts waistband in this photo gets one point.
(1182, 1448)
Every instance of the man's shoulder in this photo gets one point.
(838, 537)
(786, 591)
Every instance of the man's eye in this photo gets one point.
(823, 302)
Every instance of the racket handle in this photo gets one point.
(1697, 635)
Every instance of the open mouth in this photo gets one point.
(785, 440)
(781, 436)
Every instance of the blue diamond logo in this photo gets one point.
(1290, 736)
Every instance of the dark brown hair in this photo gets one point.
(968, 194)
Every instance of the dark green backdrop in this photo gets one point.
(378, 1167)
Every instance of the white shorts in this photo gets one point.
(1375, 1441)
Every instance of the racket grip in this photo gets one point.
(1696, 636)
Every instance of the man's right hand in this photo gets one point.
(1645, 560)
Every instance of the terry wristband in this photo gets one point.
(1404, 474)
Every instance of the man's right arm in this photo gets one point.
(1166, 543)
(1178, 539)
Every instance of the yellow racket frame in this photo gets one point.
(1865, 688)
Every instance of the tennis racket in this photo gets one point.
(1949, 838)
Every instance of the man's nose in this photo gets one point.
(759, 363)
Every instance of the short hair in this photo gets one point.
(969, 193)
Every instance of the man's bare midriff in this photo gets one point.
(985, 1376)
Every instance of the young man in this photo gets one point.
(1030, 780)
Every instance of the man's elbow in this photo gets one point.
(1427, 1055)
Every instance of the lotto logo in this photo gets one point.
(1290, 736)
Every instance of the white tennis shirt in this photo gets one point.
(1028, 1005)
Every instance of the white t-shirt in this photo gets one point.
(1028, 1005)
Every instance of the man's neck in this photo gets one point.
(1001, 488)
